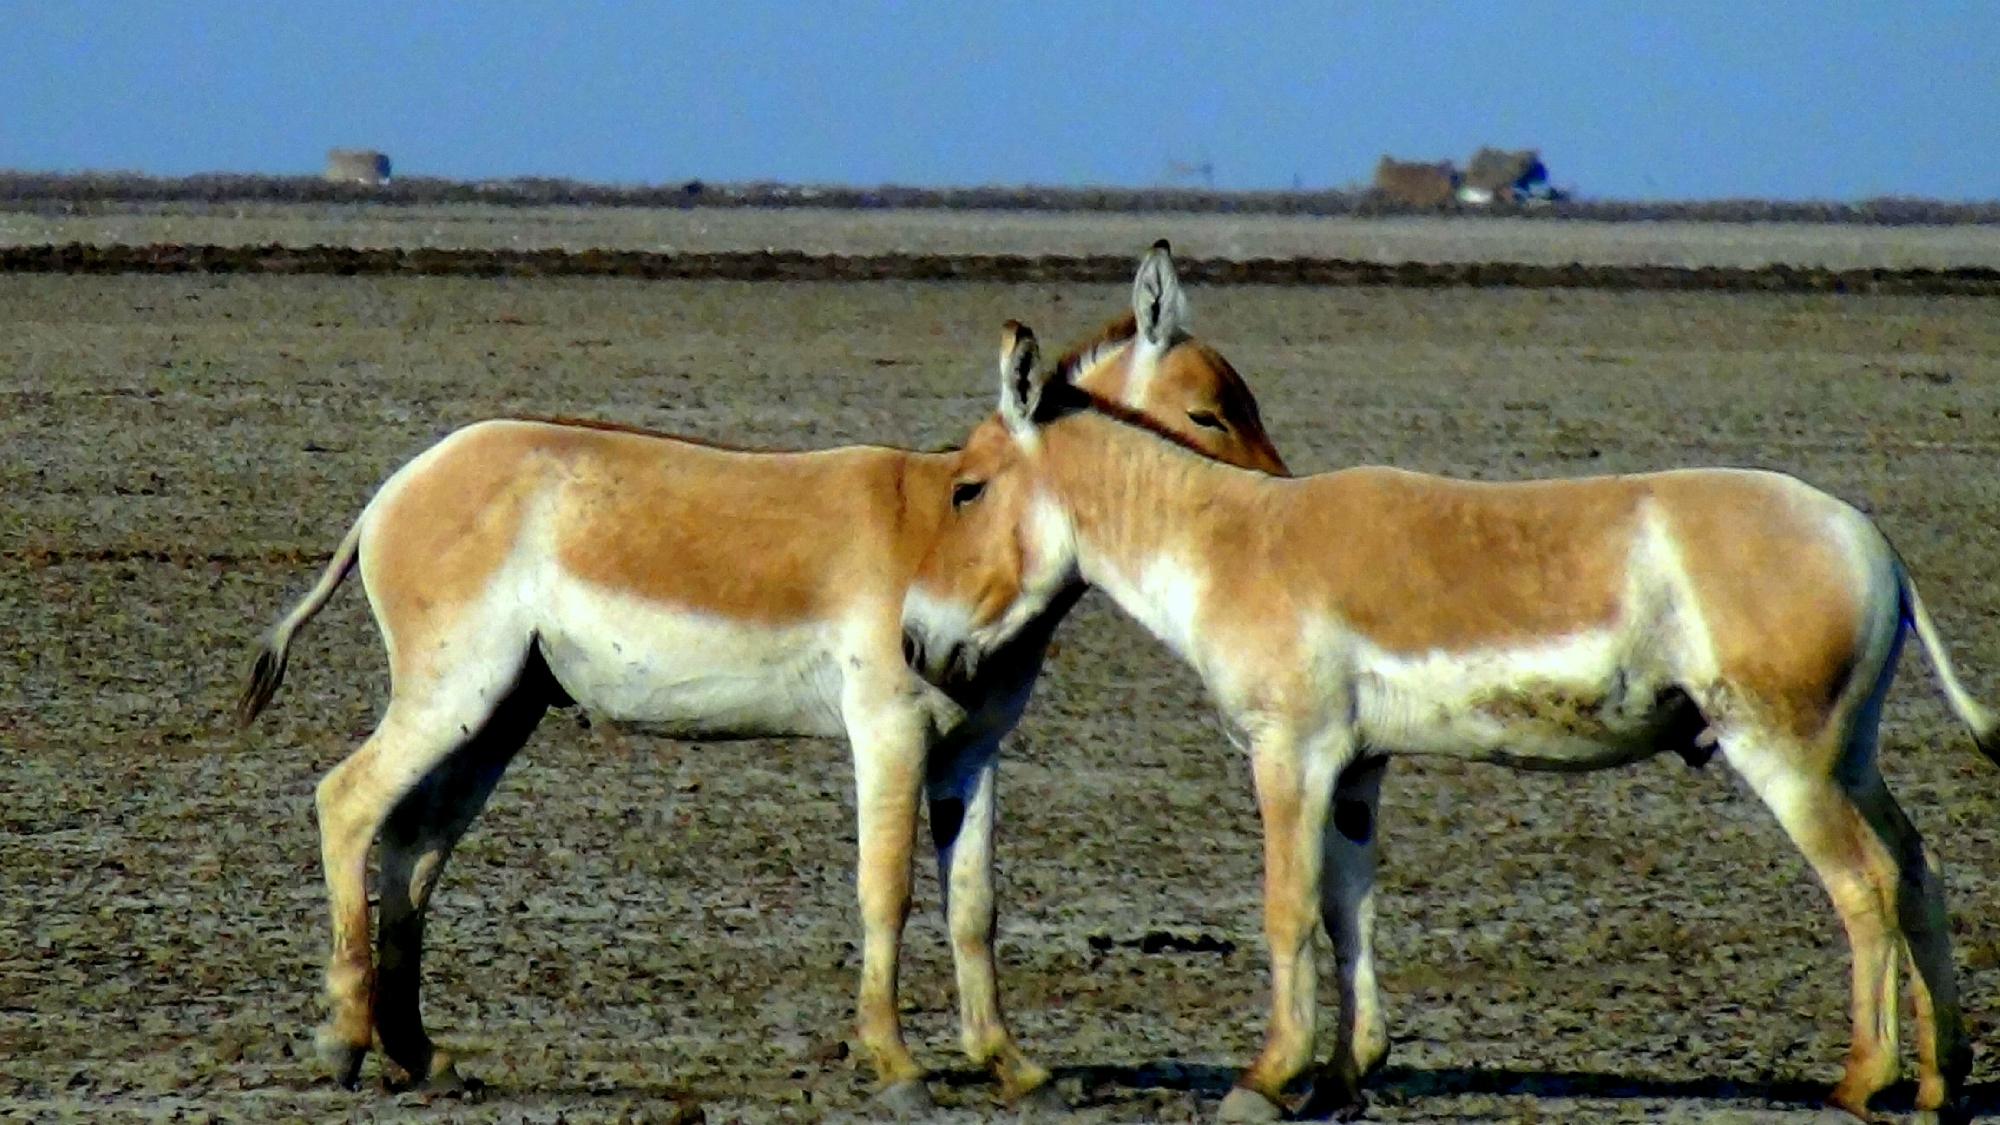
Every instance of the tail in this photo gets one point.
(1983, 724)
(269, 670)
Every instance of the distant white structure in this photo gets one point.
(1494, 176)
(1497, 175)
(357, 166)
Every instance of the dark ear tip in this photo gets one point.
(1164, 246)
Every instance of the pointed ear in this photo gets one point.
(1021, 380)
(1157, 300)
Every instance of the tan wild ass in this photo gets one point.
(1554, 624)
(708, 592)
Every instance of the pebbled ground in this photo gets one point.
(636, 925)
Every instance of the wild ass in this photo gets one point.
(1552, 624)
(711, 593)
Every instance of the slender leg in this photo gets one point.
(354, 799)
(961, 791)
(1823, 819)
(1944, 1055)
(1347, 908)
(890, 733)
(417, 840)
(1295, 781)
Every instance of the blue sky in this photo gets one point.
(1689, 99)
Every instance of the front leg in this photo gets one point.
(1294, 775)
(961, 788)
(891, 722)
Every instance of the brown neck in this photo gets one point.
(921, 479)
(1134, 496)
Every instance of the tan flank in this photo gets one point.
(1553, 624)
(710, 593)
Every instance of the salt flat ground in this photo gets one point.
(821, 231)
(636, 921)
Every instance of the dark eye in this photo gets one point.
(1204, 418)
(965, 492)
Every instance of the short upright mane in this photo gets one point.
(1116, 333)
(1082, 355)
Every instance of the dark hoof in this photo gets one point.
(343, 1060)
(1834, 1112)
(1333, 1109)
(1334, 1097)
(1954, 1113)
(1245, 1104)
(1855, 1108)
(444, 1079)
(1042, 1101)
(908, 1098)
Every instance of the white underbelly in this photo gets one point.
(688, 674)
(1571, 705)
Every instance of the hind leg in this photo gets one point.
(352, 801)
(418, 732)
(417, 840)
(1944, 1055)
(1823, 818)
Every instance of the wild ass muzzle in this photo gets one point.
(1551, 624)
(709, 593)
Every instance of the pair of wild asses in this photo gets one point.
(906, 600)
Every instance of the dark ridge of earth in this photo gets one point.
(769, 265)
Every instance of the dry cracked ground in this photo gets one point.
(638, 925)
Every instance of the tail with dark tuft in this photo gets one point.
(269, 671)
(1988, 740)
(265, 677)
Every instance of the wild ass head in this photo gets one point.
(990, 573)
(1003, 561)
(1147, 362)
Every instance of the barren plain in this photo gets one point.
(1417, 238)
(637, 925)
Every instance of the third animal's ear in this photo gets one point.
(1021, 377)
(1157, 301)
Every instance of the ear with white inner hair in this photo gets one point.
(1021, 379)
(1157, 300)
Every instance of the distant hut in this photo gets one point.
(1414, 183)
(357, 166)
(1497, 175)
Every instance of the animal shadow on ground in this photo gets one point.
(1404, 1084)
(666, 1102)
